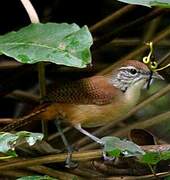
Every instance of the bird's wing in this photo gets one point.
(93, 90)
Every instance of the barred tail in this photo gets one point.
(23, 121)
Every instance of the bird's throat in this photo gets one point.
(132, 94)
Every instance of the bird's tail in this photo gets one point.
(25, 120)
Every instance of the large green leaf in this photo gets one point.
(149, 3)
(65, 44)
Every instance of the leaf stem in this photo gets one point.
(30, 10)
(41, 68)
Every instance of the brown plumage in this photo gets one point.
(93, 101)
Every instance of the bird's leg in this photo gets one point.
(94, 138)
(69, 162)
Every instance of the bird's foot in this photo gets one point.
(106, 157)
(108, 147)
(69, 163)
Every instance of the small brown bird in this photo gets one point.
(94, 101)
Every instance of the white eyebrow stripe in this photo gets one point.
(128, 67)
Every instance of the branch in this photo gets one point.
(77, 156)
(111, 18)
(144, 124)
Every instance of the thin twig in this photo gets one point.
(15, 173)
(77, 156)
(111, 18)
(109, 36)
(132, 42)
(6, 120)
(55, 135)
(144, 123)
(148, 177)
(153, 25)
(54, 173)
(24, 96)
(164, 33)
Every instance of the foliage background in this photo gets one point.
(14, 76)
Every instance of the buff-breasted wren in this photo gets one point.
(93, 101)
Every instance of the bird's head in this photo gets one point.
(132, 74)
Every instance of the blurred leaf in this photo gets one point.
(8, 141)
(150, 158)
(149, 3)
(154, 157)
(65, 44)
(167, 178)
(30, 137)
(36, 178)
(114, 146)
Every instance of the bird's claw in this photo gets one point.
(106, 157)
(69, 163)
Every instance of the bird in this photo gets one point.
(92, 101)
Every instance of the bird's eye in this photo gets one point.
(133, 71)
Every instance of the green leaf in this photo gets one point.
(65, 44)
(150, 158)
(165, 155)
(114, 146)
(30, 137)
(8, 141)
(154, 157)
(167, 178)
(149, 3)
(36, 178)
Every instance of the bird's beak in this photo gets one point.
(155, 75)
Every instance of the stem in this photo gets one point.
(111, 18)
(108, 36)
(77, 156)
(41, 68)
(23, 96)
(53, 173)
(144, 177)
(41, 77)
(30, 10)
(144, 124)
(153, 25)
(15, 173)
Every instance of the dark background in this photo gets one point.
(13, 17)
